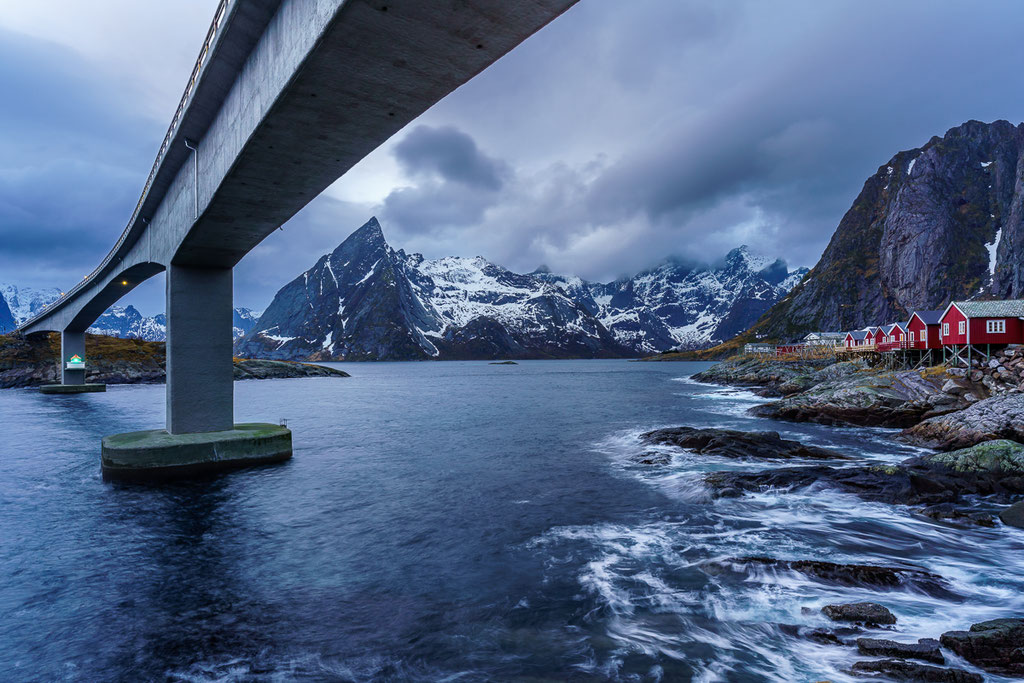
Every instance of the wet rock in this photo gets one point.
(995, 467)
(869, 613)
(653, 458)
(996, 646)
(899, 670)
(826, 636)
(999, 417)
(847, 574)
(952, 513)
(1013, 515)
(773, 377)
(886, 399)
(729, 443)
(926, 649)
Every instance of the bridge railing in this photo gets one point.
(218, 18)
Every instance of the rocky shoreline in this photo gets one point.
(973, 417)
(31, 361)
(943, 408)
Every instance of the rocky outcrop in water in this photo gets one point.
(919, 235)
(771, 377)
(996, 646)
(884, 399)
(867, 613)
(999, 417)
(901, 670)
(865, 575)
(33, 360)
(992, 468)
(925, 649)
(731, 443)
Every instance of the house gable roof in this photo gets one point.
(927, 317)
(1011, 308)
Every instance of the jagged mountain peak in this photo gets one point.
(368, 301)
(935, 223)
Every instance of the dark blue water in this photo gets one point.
(447, 521)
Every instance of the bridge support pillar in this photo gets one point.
(200, 372)
(72, 379)
(201, 436)
(71, 344)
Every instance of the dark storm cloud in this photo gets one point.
(719, 123)
(72, 160)
(619, 135)
(451, 154)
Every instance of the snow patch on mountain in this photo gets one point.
(366, 300)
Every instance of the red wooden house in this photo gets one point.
(893, 337)
(982, 322)
(872, 336)
(923, 330)
(855, 339)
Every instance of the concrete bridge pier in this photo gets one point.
(200, 391)
(72, 377)
(201, 436)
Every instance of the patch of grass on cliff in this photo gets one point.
(45, 346)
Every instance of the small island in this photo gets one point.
(33, 360)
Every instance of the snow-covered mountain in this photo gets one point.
(682, 306)
(127, 322)
(7, 322)
(116, 321)
(367, 301)
(25, 302)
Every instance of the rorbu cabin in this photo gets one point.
(870, 338)
(893, 337)
(982, 324)
(923, 330)
(855, 339)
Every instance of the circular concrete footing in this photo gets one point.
(71, 388)
(157, 455)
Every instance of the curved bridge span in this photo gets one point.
(286, 96)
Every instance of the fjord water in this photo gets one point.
(450, 521)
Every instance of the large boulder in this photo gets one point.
(899, 670)
(1013, 515)
(731, 443)
(999, 417)
(995, 467)
(926, 649)
(886, 399)
(996, 646)
(869, 613)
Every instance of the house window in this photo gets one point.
(924, 336)
(962, 327)
(911, 336)
(945, 329)
(995, 326)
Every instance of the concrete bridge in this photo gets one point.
(286, 96)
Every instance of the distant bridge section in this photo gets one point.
(286, 96)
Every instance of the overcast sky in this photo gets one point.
(621, 134)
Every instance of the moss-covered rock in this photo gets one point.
(1001, 455)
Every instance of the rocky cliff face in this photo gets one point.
(367, 301)
(944, 221)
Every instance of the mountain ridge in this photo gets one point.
(936, 223)
(368, 301)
